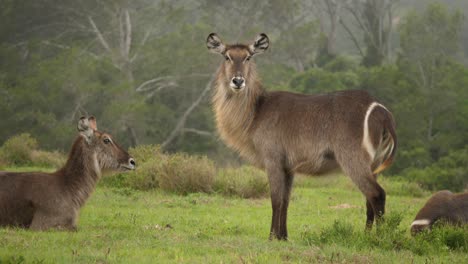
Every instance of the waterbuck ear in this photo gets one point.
(215, 44)
(92, 122)
(260, 44)
(86, 127)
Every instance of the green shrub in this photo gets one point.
(146, 177)
(401, 187)
(340, 64)
(48, 159)
(3, 163)
(145, 153)
(183, 173)
(449, 172)
(17, 150)
(179, 173)
(245, 182)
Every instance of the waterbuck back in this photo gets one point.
(287, 133)
(41, 201)
(445, 206)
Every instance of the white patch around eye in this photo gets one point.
(421, 222)
(97, 168)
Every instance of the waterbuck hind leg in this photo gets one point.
(280, 188)
(370, 215)
(358, 168)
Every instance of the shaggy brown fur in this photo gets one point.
(445, 206)
(41, 201)
(287, 133)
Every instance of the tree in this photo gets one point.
(429, 45)
(374, 18)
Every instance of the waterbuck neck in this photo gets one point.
(81, 172)
(235, 111)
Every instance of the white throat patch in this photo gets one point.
(96, 166)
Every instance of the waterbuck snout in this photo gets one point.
(237, 64)
(286, 133)
(41, 201)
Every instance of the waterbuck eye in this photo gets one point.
(107, 141)
(226, 57)
(248, 58)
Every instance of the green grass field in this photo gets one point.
(121, 225)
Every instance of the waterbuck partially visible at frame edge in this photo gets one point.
(286, 133)
(41, 201)
(445, 206)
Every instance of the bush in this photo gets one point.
(146, 177)
(3, 164)
(17, 150)
(182, 173)
(145, 153)
(149, 160)
(48, 159)
(401, 187)
(245, 182)
(449, 172)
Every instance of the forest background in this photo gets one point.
(142, 68)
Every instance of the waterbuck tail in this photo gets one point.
(392, 143)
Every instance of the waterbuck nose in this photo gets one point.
(132, 163)
(238, 81)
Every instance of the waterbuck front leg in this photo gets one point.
(280, 189)
(60, 220)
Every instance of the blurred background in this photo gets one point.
(142, 68)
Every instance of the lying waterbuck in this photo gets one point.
(287, 133)
(41, 200)
(445, 206)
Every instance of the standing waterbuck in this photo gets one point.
(445, 206)
(41, 201)
(287, 133)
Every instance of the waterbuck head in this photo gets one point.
(237, 66)
(107, 154)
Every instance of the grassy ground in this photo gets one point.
(128, 226)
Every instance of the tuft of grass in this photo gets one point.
(244, 182)
(443, 237)
(17, 150)
(389, 236)
(182, 173)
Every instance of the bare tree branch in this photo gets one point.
(197, 131)
(181, 123)
(141, 87)
(99, 35)
(353, 38)
(128, 35)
